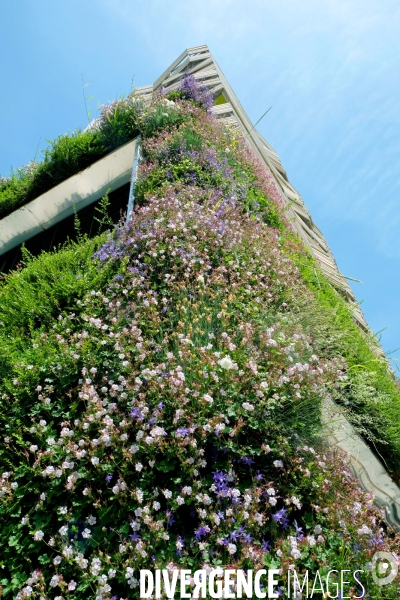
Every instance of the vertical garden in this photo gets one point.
(162, 383)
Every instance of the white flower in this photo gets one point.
(54, 581)
(208, 398)
(180, 500)
(272, 501)
(135, 525)
(364, 530)
(138, 466)
(33, 448)
(50, 441)
(226, 363)
(318, 529)
(91, 520)
(278, 463)
(311, 540)
(200, 279)
(68, 552)
(82, 562)
(295, 552)
(68, 464)
(86, 533)
(111, 573)
(57, 560)
(95, 567)
(27, 591)
(232, 548)
(296, 502)
(156, 505)
(71, 585)
(128, 572)
(133, 449)
(94, 460)
(42, 423)
(122, 548)
(248, 406)
(63, 530)
(38, 535)
(167, 493)
(159, 431)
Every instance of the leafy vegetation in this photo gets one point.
(161, 385)
(119, 122)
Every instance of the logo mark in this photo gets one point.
(384, 568)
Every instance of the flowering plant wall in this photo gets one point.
(167, 414)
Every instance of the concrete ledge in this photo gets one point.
(109, 173)
(366, 467)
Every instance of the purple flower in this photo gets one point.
(201, 532)
(108, 478)
(192, 90)
(134, 537)
(137, 414)
(182, 432)
(170, 517)
(247, 461)
(266, 546)
(299, 531)
(221, 483)
(281, 517)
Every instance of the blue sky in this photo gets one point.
(330, 70)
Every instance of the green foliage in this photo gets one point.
(329, 319)
(66, 156)
(30, 299)
(103, 218)
(119, 123)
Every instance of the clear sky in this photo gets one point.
(330, 70)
